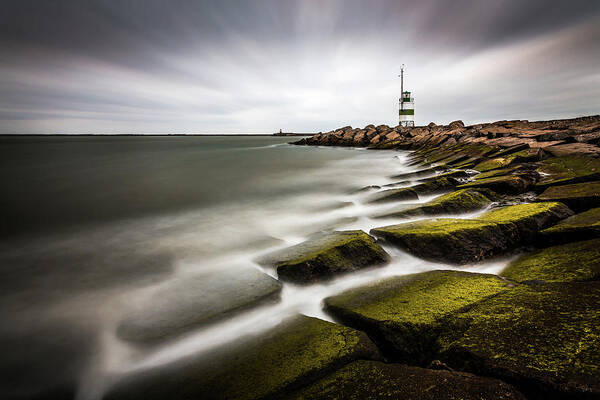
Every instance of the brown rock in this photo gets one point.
(574, 149)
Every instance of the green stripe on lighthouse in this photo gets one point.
(407, 112)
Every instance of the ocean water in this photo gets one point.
(92, 225)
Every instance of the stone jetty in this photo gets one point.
(519, 189)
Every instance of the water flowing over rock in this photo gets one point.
(468, 240)
(293, 354)
(187, 303)
(326, 255)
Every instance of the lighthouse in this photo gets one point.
(407, 104)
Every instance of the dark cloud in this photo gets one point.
(257, 65)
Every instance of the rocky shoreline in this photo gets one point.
(531, 332)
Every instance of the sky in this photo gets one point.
(228, 66)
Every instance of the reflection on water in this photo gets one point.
(98, 224)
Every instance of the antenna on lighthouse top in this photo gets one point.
(401, 84)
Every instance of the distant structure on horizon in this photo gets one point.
(407, 104)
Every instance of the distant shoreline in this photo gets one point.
(150, 134)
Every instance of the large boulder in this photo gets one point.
(579, 261)
(371, 380)
(567, 170)
(404, 315)
(579, 196)
(456, 124)
(581, 226)
(542, 338)
(468, 240)
(326, 255)
(293, 354)
(458, 202)
(184, 304)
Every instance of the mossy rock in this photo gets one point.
(402, 314)
(469, 163)
(181, 305)
(492, 164)
(579, 261)
(374, 380)
(529, 155)
(435, 186)
(462, 241)
(567, 170)
(510, 150)
(388, 145)
(272, 364)
(461, 201)
(325, 256)
(528, 218)
(542, 338)
(496, 172)
(581, 226)
(420, 173)
(505, 184)
(579, 197)
(452, 174)
(389, 195)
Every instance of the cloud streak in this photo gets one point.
(237, 66)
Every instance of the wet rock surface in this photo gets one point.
(370, 380)
(402, 315)
(458, 202)
(578, 261)
(509, 184)
(295, 353)
(585, 225)
(389, 195)
(541, 337)
(467, 240)
(578, 196)
(326, 255)
(567, 170)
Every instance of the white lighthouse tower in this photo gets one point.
(407, 104)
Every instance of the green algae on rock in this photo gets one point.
(578, 196)
(420, 173)
(567, 170)
(528, 218)
(371, 380)
(581, 226)
(461, 201)
(467, 240)
(292, 355)
(326, 255)
(496, 172)
(182, 305)
(389, 195)
(542, 338)
(579, 261)
(522, 156)
(509, 184)
(435, 186)
(402, 314)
